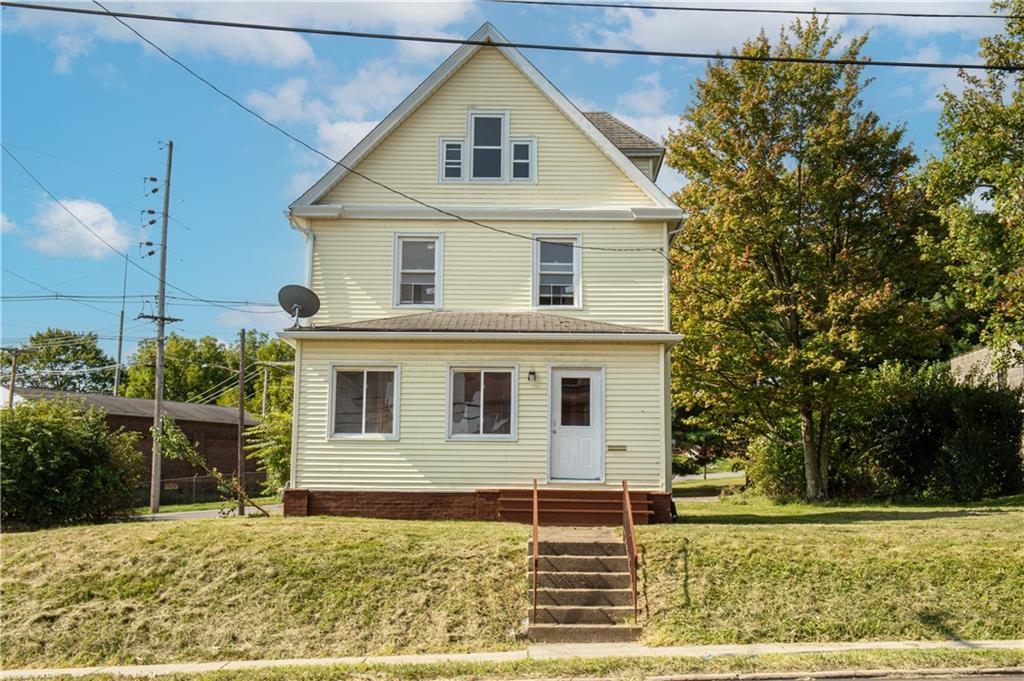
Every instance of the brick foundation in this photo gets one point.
(478, 505)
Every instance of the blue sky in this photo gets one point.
(84, 88)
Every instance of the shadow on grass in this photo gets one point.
(837, 517)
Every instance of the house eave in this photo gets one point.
(306, 334)
(336, 211)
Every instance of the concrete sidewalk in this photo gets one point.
(537, 652)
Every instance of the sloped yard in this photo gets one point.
(733, 571)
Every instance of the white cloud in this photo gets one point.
(648, 97)
(7, 224)
(376, 87)
(286, 103)
(936, 81)
(55, 232)
(72, 36)
(338, 137)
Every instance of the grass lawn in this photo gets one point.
(206, 505)
(732, 571)
(745, 570)
(711, 487)
(629, 668)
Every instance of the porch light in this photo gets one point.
(532, 376)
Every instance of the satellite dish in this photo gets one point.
(299, 302)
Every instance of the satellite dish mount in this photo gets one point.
(299, 302)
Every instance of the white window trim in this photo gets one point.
(505, 122)
(577, 271)
(513, 435)
(335, 367)
(532, 141)
(441, 142)
(396, 271)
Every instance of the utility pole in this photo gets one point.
(158, 393)
(14, 375)
(241, 421)
(263, 405)
(120, 328)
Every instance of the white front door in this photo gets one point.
(576, 449)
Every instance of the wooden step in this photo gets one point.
(549, 596)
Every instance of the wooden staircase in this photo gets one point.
(573, 507)
(583, 591)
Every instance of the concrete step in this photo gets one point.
(581, 614)
(578, 548)
(582, 633)
(582, 580)
(580, 563)
(584, 597)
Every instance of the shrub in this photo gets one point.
(269, 443)
(911, 433)
(62, 465)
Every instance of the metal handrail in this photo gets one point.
(629, 537)
(536, 547)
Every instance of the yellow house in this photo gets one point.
(494, 283)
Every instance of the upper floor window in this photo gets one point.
(487, 134)
(523, 159)
(556, 267)
(487, 153)
(418, 270)
(451, 160)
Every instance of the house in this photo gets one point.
(213, 429)
(493, 277)
(978, 364)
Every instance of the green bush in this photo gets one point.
(269, 443)
(909, 433)
(61, 465)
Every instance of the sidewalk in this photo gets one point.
(535, 652)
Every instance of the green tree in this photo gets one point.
(195, 368)
(60, 359)
(797, 263)
(269, 443)
(979, 184)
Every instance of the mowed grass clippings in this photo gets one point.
(744, 570)
(624, 667)
(220, 589)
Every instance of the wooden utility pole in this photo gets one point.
(161, 321)
(120, 329)
(263, 402)
(241, 422)
(14, 375)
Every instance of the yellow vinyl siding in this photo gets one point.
(571, 170)
(421, 459)
(483, 270)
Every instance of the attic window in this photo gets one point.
(452, 160)
(524, 160)
(487, 139)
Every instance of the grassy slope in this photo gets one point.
(207, 505)
(741, 571)
(733, 571)
(277, 587)
(711, 487)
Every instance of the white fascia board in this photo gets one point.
(487, 32)
(416, 212)
(664, 338)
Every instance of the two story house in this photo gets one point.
(494, 283)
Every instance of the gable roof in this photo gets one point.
(625, 138)
(486, 33)
(137, 406)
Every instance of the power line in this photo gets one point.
(47, 288)
(104, 241)
(310, 147)
(465, 41)
(88, 164)
(752, 10)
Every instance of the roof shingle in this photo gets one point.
(480, 322)
(137, 406)
(621, 135)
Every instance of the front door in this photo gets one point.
(576, 450)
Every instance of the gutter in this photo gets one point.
(296, 223)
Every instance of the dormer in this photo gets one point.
(644, 152)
